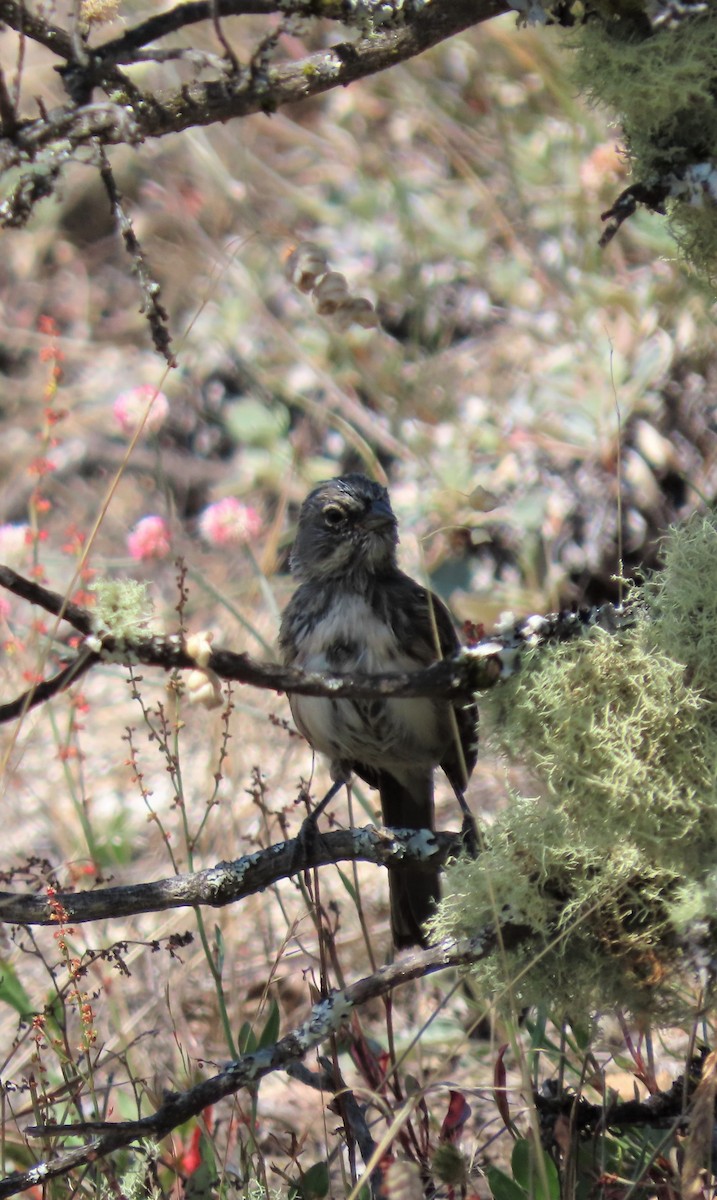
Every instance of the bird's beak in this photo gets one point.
(379, 516)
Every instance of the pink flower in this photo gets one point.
(129, 408)
(149, 539)
(229, 523)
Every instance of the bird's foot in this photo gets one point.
(469, 829)
(305, 841)
(469, 833)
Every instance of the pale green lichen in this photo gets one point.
(610, 873)
(662, 83)
(616, 734)
(682, 600)
(123, 606)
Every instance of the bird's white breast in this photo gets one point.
(390, 733)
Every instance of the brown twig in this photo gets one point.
(8, 116)
(653, 196)
(222, 37)
(192, 12)
(18, 16)
(152, 307)
(452, 677)
(53, 602)
(46, 689)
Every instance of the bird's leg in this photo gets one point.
(469, 829)
(306, 837)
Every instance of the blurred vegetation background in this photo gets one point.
(542, 410)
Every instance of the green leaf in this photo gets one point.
(521, 1163)
(206, 1150)
(270, 1032)
(348, 885)
(582, 1036)
(219, 949)
(12, 992)
(313, 1185)
(535, 1171)
(502, 1187)
(246, 1042)
(202, 1184)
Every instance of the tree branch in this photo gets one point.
(327, 1017)
(52, 602)
(231, 881)
(474, 669)
(120, 49)
(232, 95)
(16, 14)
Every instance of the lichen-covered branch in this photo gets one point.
(325, 1018)
(389, 34)
(231, 881)
(474, 669)
(152, 307)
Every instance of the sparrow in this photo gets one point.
(356, 611)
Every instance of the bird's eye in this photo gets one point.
(333, 515)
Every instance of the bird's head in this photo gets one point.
(346, 528)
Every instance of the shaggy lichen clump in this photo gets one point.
(122, 606)
(609, 878)
(655, 65)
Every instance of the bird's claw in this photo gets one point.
(305, 842)
(469, 834)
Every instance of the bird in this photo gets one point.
(354, 611)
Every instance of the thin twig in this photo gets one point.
(222, 38)
(17, 15)
(204, 103)
(46, 689)
(152, 307)
(190, 13)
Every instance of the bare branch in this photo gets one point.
(191, 13)
(45, 689)
(231, 881)
(52, 602)
(452, 677)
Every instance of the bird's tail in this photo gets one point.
(413, 890)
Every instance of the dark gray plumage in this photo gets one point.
(355, 611)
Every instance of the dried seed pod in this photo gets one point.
(330, 293)
(305, 265)
(355, 310)
(363, 313)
